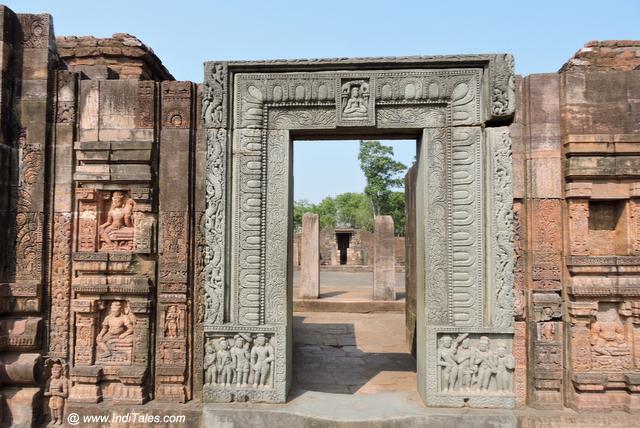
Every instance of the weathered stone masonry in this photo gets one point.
(135, 211)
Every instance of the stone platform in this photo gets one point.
(348, 292)
(393, 409)
(331, 410)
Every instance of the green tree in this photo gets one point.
(383, 175)
(354, 210)
(396, 210)
(299, 208)
(326, 211)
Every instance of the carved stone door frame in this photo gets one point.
(456, 105)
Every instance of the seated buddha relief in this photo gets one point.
(116, 234)
(114, 342)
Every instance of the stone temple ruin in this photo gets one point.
(146, 231)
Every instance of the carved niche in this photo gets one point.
(610, 342)
(114, 220)
(245, 262)
(357, 106)
(547, 306)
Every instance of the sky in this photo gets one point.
(318, 172)
(541, 34)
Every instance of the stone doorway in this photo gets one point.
(464, 250)
(343, 239)
(344, 341)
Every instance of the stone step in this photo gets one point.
(353, 306)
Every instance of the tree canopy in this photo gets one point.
(383, 194)
(383, 175)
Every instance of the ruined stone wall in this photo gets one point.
(121, 56)
(130, 247)
(28, 114)
(96, 219)
(576, 147)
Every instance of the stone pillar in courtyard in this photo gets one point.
(310, 257)
(296, 251)
(384, 272)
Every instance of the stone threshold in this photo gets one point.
(320, 410)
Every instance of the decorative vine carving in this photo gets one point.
(214, 218)
(503, 228)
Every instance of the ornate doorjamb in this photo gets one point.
(456, 104)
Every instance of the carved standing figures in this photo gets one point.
(261, 359)
(57, 389)
(471, 369)
(240, 361)
(210, 368)
(224, 363)
(505, 364)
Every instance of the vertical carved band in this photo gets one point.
(502, 233)
(277, 227)
(503, 96)
(214, 114)
(465, 229)
(29, 219)
(579, 225)
(436, 209)
(214, 222)
(60, 286)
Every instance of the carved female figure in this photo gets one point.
(224, 363)
(505, 363)
(117, 328)
(119, 226)
(241, 360)
(57, 391)
(261, 358)
(171, 320)
(484, 364)
(548, 331)
(210, 368)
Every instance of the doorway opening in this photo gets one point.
(345, 341)
(343, 238)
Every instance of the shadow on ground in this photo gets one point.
(364, 356)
